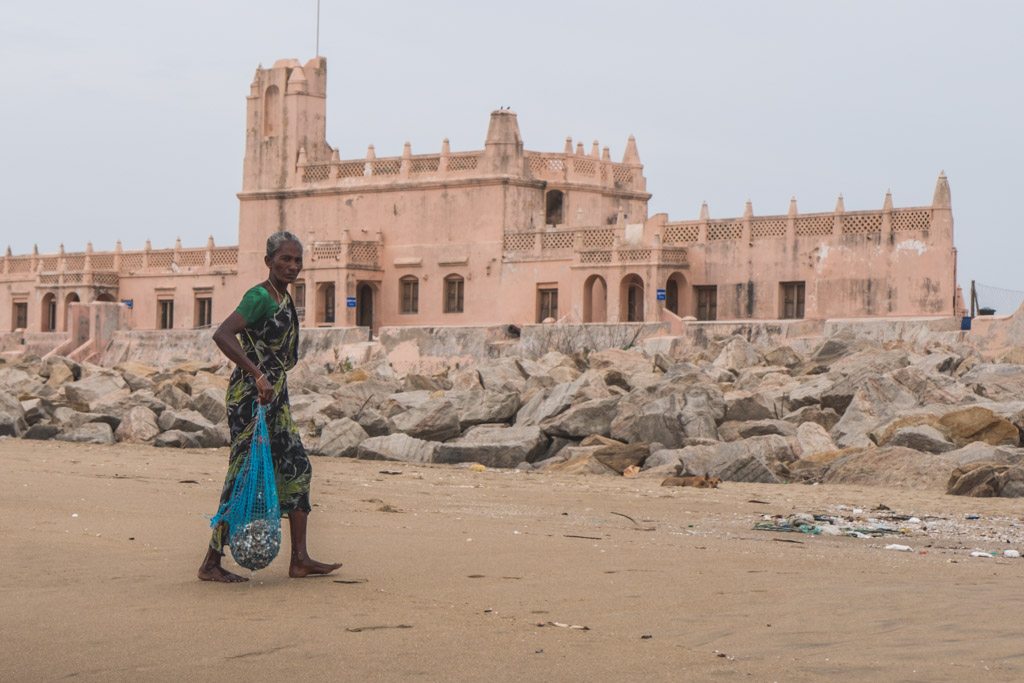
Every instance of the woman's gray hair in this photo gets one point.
(275, 241)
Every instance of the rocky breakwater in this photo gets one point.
(845, 411)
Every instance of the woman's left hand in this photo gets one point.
(265, 388)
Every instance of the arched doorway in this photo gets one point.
(49, 310)
(71, 298)
(675, 290)
(106, 297)
(364, 305)
(631, 297)
(595, 300)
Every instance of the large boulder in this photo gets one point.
(209, 402)
(875, 401)
(976, 423)
(703, 409)
(737, 354)
(996, 381)
(172, 396)
(736, 431)
(627, 362)
(826, 417)
(494, 446)
(86, 394)
(813, 439)
(505, 375)
(576, 460)
(397, 447)
(743, 406)
(621, 457)
(761, 459)
(176, 438)
(483, 407)
(182, 420)
(139, 425)
(648, 421)
(582, 420)
(890, 466)
(921, 438)
(91, 432)
(12, 416)
(340, 438)
(986, 480)
(434, 420)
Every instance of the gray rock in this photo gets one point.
(91, 432)
(86, 394)
(434, 420)
(340, 438)
(826, 417)
(177, 439)
(397, 447)
(648, 421)
(704, 408)
(12, 416)
(761, 459)
(139, 425)
(41, 432)
(744, 406)
(813, 439)
(483, 407)
(996, 381)
(891, 466)
(504, 375)
(214, 436)
(209, 402)
(875, 401)
(784, 356)
(738, 354)
(735, 431)
(494, 446)
(182, 420)
(414, 382)
(584, 419)
(35, 410)
(172, 396)
(921, 438)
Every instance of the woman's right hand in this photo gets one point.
(265, 389)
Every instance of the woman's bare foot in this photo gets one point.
(301, 567)
(211, 570)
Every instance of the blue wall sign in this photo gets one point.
(661, 295)
(350, 302)
(130, 303)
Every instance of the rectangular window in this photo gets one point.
(165, 312)
(299, 299)
(547, 304)
(792, 299)
(204, 311)
(707, 302)
(453, 292)
(410, 295)
(19, 316)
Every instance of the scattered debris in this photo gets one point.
(638, 525)
(589, 538)
(392, 472)
(349, 581)
(899, 547)
(575, 627)
(360, 629)
(185, 481)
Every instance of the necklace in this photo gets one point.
(280, 296)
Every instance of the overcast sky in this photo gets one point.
(125, 120)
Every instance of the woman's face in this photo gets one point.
(286, 263)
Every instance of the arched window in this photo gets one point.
(72, 298)
(554, 208)
(409, 294)
(631, 294)
(595, 300)
(453, 293)
(271, 112)
(49, 321)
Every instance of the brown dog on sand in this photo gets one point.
(701, 482)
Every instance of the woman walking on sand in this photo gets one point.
(262, 338)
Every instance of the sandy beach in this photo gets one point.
(453, 574)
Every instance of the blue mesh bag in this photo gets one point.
(252, 512)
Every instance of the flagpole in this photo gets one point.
(317, 54)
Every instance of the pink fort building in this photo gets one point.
(491, 236)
